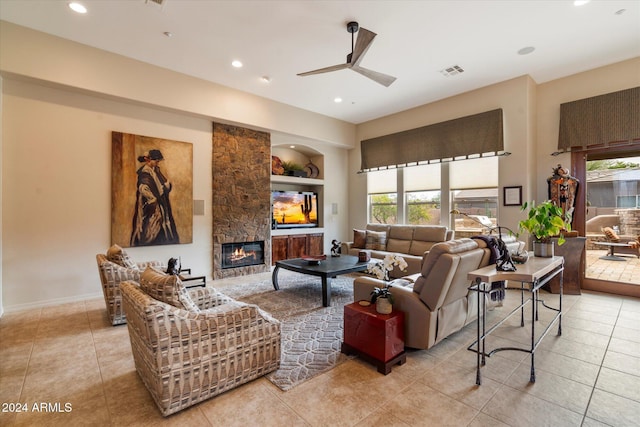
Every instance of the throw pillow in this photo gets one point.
(376, 240)
(359, 238)
(611, 235)
(166, 288)
(119, 256)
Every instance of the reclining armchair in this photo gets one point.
(436, 302)
(116, 267)
(189, 350)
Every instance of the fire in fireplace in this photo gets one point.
(241, 254)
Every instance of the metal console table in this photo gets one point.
(532, 275)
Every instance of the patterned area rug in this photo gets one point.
(311, 333)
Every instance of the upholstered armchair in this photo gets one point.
(437, 301)
(195, 350)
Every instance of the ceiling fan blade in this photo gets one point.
(326, 69)
(383, 79)
(365, 38)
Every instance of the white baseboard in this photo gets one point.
(49, 303)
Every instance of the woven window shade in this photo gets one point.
(600, 120)
(476, 134)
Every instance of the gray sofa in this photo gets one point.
(409, 241)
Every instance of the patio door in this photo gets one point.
(608, 189)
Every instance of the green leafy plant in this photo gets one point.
(544, 221)
(292, 166)
(381, 293)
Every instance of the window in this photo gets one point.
(474, 191)
(422, 194)
(383, 197)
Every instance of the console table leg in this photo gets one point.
(274, 278)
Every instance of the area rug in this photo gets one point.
(311, 334)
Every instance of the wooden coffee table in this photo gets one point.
(326, 270)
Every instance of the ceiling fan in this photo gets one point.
(365, 38)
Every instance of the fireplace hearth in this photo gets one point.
(242, 254)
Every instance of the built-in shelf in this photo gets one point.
(303, 230)
(285, 179)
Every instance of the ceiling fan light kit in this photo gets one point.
(362, 44)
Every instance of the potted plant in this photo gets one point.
(293, 169)
(544, 221)
(383, 298)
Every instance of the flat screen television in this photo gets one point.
(294, 209)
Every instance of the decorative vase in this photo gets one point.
(544, 250)
(383, 306)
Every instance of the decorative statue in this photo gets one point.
(335, 248)
(562, 191)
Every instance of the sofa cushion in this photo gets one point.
(611, 235)
(376, 240)
(119, 256)
(401, 232)
(398, 246)
(359, 239)
(167, 288)
(434, 233)
(448, 247)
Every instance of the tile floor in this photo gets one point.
(590, 376)
(627, 271)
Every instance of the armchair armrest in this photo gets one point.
(206, 298)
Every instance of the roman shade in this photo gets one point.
(600, 120)
(471, 135)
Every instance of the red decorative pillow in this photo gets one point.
(359, 238)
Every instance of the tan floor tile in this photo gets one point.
(553, 388)
(619, 383)
(497, 367)
(518, 408)
(233, 408)
(607, 319)
(590, 422)
(564, 346)
(630, 348)
(484, 420)
(622, 362)
(613, 410)
(628, 323)
(345, 395)
(573, 369)
(382, 418)
(580, 336)
(420, 405)
(626, 334)
(418, 363)
(587, 325)
(460, 384)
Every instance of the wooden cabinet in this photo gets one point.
(296, 246)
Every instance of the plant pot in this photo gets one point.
(383, 306)
(544, 250)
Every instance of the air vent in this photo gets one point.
(452, 71)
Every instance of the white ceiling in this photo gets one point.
(416, 39)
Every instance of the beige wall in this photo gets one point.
(56, 158)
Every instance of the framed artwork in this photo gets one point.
(512, 196)
(151, 191)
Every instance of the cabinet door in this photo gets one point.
(279, 246)
(297, 246)
(316, 244)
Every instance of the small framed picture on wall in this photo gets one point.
(512, 196)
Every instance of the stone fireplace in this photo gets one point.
(241, 202)
(242, 254)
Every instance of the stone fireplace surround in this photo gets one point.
(241, 202)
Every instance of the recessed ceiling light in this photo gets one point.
(265, 79)
(77, 7)
(454, 70)
(237, 64)
(168, 33)
(526, 50)
(292, 146)
(620, 12)
(580, 2)
(337, 100)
